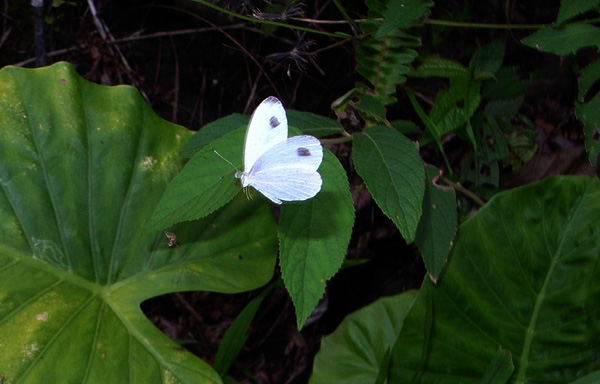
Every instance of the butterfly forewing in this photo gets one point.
(268, 126)
(303, 152)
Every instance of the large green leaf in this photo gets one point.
(81, 167)
(355, 352)
(522, 277)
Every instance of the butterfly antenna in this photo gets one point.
(230, 163)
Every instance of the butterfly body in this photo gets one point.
(281, 168)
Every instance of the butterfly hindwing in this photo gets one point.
(268, 126)
(287, 184)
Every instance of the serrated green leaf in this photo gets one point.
(438, 67)
(212, 131)
(355, 351)
(384, 62)
(437, 225)
(82, 165)
(564, 41)
(454, 106)
(205, 184)
(522, 276)
(392, 169)
(571, 8)
(314, 237)
(401, 14)
(315, 125)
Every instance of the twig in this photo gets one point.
(38, 27)
(176, 81)
(464, 191)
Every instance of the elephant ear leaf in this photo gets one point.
(519, 297)
(81, 168)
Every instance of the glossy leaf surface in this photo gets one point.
(82, 166)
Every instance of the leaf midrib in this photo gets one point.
(530, 332)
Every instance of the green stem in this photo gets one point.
(464, 191)
(247, 18)
(343, 12)
(462, 24)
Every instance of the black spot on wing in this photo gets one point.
(303, 152)
(274, 122)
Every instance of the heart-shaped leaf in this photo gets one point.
(81, 168)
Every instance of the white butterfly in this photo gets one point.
(281, 168)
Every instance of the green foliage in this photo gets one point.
(438, 223)
(588, 111)
(237, 334)
(400, 14)
(82, 166)
(385, 53)
(355, 352)
(569, 9)
(568, 39)
(315, 125)
(522, 277)
(384, 61)
(213, 131)
(390, 165)
(313, 238)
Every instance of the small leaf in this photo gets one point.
(488, 58)
(211, 132)
(588, 76)
(564, 41)
(589, 115)
(390, 165)
(312, 124)
(401, 14)
(356, 350)
(314, 237)
(438, 67)
(569, 9)
(589, 112)
(205, 184)
(237, 334)
(437, 225)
